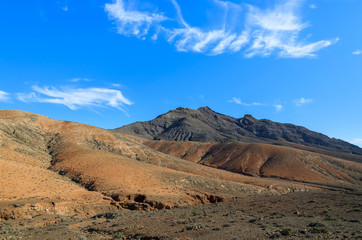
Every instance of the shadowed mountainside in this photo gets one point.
(205, 125)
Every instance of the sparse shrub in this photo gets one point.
(182, 222)
(275, 235)
(286, 232)
(316, 229)
(194, 227)
(278, 224)
(189, 228)
(329, 218)
(119, 235)
(354, 221)
(316, 224)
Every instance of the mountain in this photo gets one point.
(206, 125)
(70, 168)
(66, 168)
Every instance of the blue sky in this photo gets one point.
(111, 63)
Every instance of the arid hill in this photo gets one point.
(67, 163)
(265, 160)
(62, 179)
(205, 125)
(70, 168)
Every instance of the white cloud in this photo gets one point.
(235, 100)
(278, 107)
(117, 85)
(65, 8)
(238, 101)
(4, 96)
(302, 101)
(357, 52)
(277, 29)
(281, 18)
(80, 79)
(132, 22)
(313, 6)
(306, 50)
(75, 98)
(244, 28)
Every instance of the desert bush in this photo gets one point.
(119, 235)
(286, 232)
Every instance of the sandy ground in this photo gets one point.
(321, 215)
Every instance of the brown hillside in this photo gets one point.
(71, 168)
(56, 161)
(265, 160)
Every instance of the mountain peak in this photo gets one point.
(206, 125)
(248, 120)
(181, 109)
(249, 117)
(205, 109)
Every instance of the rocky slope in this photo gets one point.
(205, 125)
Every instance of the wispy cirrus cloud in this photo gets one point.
(80, 80)
(238, 101)
(4, 96)
(130, 21)
(117, 85)
(302, 101)
(357, 52)
(75, 98)
(278, 107)
(244, 28)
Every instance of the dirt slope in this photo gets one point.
(266, 161)
(60, 164)
(24, 162)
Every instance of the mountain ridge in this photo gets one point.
(206, 125)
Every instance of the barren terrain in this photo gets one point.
(56, 176)
(321, 215)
